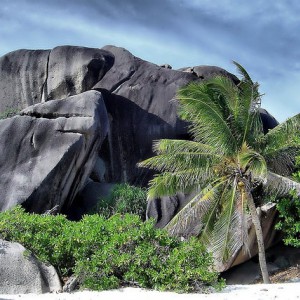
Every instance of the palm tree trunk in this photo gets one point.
(260, 239)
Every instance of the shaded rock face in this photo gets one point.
(269, 122)
(140, 100)
(165, 208)
(138, 96)
(208, 72)
(48, 152)
(31, 76)
(21, 272)
(22, 77)
(74, 70)
(88, 198)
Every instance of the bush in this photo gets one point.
(289, 214)
(114, 252)
(123, 199)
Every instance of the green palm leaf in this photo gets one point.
(167, 183)
(208, 123)
(241, 70)
(203, 202)
(223, 242)
(253, 162)
(283, 135)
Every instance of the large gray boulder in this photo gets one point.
(48, 152)
(140, 100)
(32, 76)
(139, 96)
(22, 77)
(74, 70)
(21, 272)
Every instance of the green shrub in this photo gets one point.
(289, 219)
(114, 252)
(123, 199)
(49, 237)
(289, 214)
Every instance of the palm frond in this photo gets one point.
(208, 124)
(169, 183)
(210, 218)
(179, 162)
(253, 162)
(248, 115)
(224, 241)
(178, 146)
(283, 135)
(241, 70)
(243, 221)
(178, 156)
(190, 219)
(282, 161)
(227, 92)
(280, 186)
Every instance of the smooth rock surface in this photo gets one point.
(22, 77)
(140, 100)
(208, 72)
(21, 272)
(74, 70)
(32, 76)
(48, 152)
(163, 209)
(139, 97)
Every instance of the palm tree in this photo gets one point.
(227, 160)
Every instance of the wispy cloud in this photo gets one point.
(262, 35)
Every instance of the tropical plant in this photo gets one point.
(289, 214)
(123, 198)
(111, 253)
(228, 159)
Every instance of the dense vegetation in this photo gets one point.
(110, 253)
(123, 199)
(289, 214)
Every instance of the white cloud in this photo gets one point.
(261, 35)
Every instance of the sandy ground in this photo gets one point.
(285, 291)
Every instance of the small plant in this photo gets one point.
(8, 113)
(110, 253)
(289, 214)
(123, 199)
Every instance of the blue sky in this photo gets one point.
(261, 35)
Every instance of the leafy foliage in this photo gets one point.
(289, 214)
(123, 199)
(114, 252)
